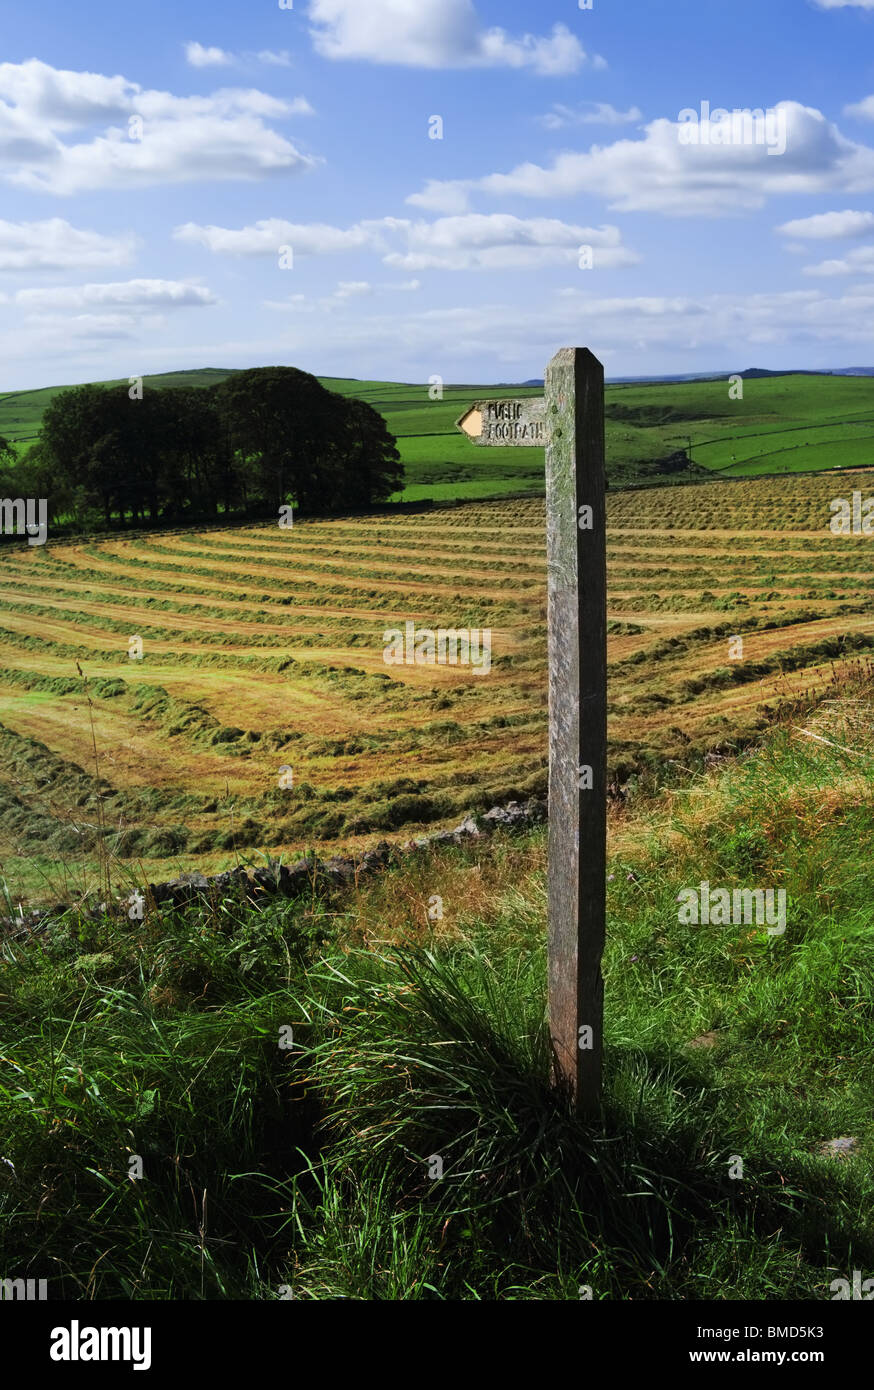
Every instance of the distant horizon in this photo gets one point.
(459, 384)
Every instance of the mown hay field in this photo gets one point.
(263, 650)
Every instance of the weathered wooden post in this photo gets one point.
(576, 558)
(570, 422)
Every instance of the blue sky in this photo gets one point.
(153, 163)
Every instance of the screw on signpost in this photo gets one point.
(570, 422)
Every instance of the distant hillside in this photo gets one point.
(786, 422)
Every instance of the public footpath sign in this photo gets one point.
(520, 422)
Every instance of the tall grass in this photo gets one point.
(409, 1145)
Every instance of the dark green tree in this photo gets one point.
(80, 439)
(371, 459)
(278, 422)
(259, 440)
(294, 440)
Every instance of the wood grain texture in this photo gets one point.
(577, 609)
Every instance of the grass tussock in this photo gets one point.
(409, 1143)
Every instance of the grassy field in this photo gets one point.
(263, 651)
(439, 461)
(263, 720)
(783, 424)
(732, 1059)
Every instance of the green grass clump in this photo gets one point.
(315, 1166)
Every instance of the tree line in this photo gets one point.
(114, 456)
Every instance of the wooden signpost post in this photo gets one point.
(569, 421)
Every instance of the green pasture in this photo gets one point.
(784, 424)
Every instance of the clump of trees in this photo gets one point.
(259, 440)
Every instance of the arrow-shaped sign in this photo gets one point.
(506, 422)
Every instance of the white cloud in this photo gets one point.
(594, 113)
(502, 242)
(221, 136)
(55, 245)
(264, 238)
(475, 241)
(707, 331)
(862, 110)
(659, 174)
(352, 289)
(129, 294)
(199, 57)
(60, 100)
(845, 4)
(298, 302)
(274, 59)
(556, 56)
(436, 34)
(59, 329)
(516, 337)
(328, 304)
(444, 195)
(859, 260)
(829, 226)
(226, 102)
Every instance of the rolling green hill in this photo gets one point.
(784, 424)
